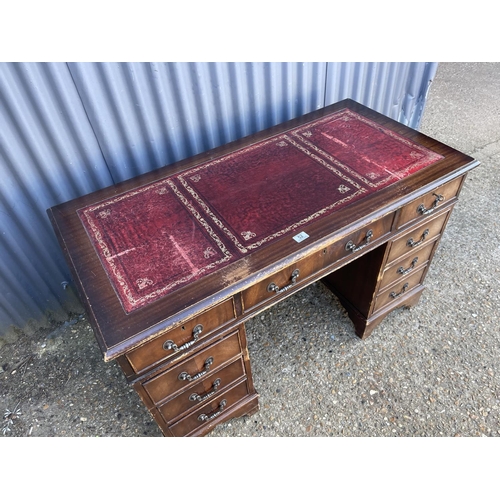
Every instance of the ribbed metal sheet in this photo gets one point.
(48, 153)
(68, 129)
(146, 115)
(397, 90)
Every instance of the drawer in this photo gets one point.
(182, 375)
(426, 204)
(417, 237)
(179, 338)
(361, 240)
(284, 280)
(398, 290)
(407, 265)
(218, 407)
(204, 391)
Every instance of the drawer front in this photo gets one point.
(407, 265)
(219, 406)
(426, 204)
(282, 281)
(182, 375)
(204, 391)
(179, 338)
(398, 290)
(417, 237)
(285, 279)
(360, 241)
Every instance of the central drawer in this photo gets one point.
(354, 244)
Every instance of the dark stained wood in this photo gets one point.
(223, 300)
(171, 381)
(403, 265)
(449, 191)
(418, 235)
(154, 351)
(191, 422)
(217, 381)
(356, 282)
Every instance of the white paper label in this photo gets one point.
(300, 237)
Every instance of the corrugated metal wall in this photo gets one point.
(68, 129)
(148, 115)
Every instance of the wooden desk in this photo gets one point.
(170, 265)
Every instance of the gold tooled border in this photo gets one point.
(128, 299)
(229, 233)
(348, 114)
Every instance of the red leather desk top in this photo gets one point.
(154, 239)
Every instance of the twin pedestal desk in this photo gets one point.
(169, 265)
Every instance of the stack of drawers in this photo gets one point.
(196, 375)
(369, 294)
(408, 259)
(419, 225)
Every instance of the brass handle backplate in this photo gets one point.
(414, 244)
(425, 211)
(197, 397)
(170, 344)
(190, 378)
(204, 417)
(273, 287)
(351, 247)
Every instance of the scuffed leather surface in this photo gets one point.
(157, 238)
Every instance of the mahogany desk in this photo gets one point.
(169, 265)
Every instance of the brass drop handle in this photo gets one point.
(170, 344)
(403, 271)
(273, 287)
(394, 295)
(351, 247)
(414, 244)
(204, 417)
(197, 397)
(190, 378)
(425, 211)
